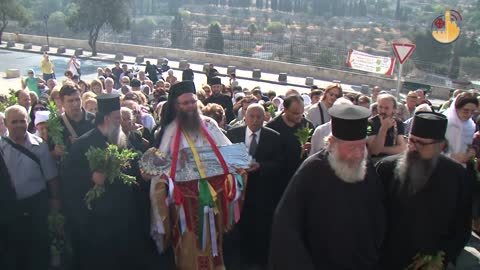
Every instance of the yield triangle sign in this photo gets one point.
(403, 51)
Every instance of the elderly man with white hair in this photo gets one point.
(33, 178)
(109, 84)
(332, 214)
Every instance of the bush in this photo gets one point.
(214, 42)
(185, 14)
(276, 28)
(145, 27)
(470, 65)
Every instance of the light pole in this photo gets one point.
(45, 19)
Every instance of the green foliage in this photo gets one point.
(428, 262)
(54, 123)
(12, 100)
(144, 27)
(45, 7)
(93, 15)
(272, 110)
(57, 23)
(276, 28)
(252, 29)
(215, 41)
(13, 10)
(303, 135)
(325, 58)
(471, 65)
(246, 52)
(181, 33)
(111, 162)
(430, 51)
(185, 14)
(56, 223)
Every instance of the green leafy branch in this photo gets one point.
(12, 100)
(110, 161)
(303, 135)
(55, 127)
(272, 110)
(428, 262)
(56, 223)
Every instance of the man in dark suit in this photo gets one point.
(265, 147)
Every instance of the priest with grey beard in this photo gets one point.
(428, 200)
(331, 215)
(108, 236)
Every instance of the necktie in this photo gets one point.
(253, 145)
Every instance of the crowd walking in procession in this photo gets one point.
(140, 169)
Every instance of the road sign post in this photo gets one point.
(402, 52)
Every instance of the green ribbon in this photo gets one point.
(205, 199)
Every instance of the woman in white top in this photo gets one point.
(461, 127)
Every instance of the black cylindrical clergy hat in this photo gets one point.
(429, 125)
(108, 103)
(349, 122)
(181, 88)
(214, 80)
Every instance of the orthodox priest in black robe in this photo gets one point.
(107, 236)
(428, 202)
(332, 216)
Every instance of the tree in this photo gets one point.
(252, 29)
(398, 11)
(274, 4)
(46, 7)
(145, 27)
(276, 28)
(181, 33)
(57, 23)
(93, 15)
(259, 4)
(362, 8)
(12, 10)
(214, 42)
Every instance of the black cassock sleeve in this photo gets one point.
(288, 248)
(460, 228)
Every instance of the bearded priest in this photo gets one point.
(332, 215)
(203, 194)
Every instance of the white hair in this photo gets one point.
(342, 101)
(15, 108)
(170, 72)
(109, 80)
(255, 106)
(423, 108)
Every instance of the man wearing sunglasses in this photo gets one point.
(427, 197)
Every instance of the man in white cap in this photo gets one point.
(41, 118)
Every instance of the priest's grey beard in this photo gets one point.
(189, 121)
(115, 135)
(348, 171)
(414, 171)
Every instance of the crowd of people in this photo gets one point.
(337, 180)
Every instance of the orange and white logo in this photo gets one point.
(446, 28)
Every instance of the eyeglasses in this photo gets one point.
(417, 143)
